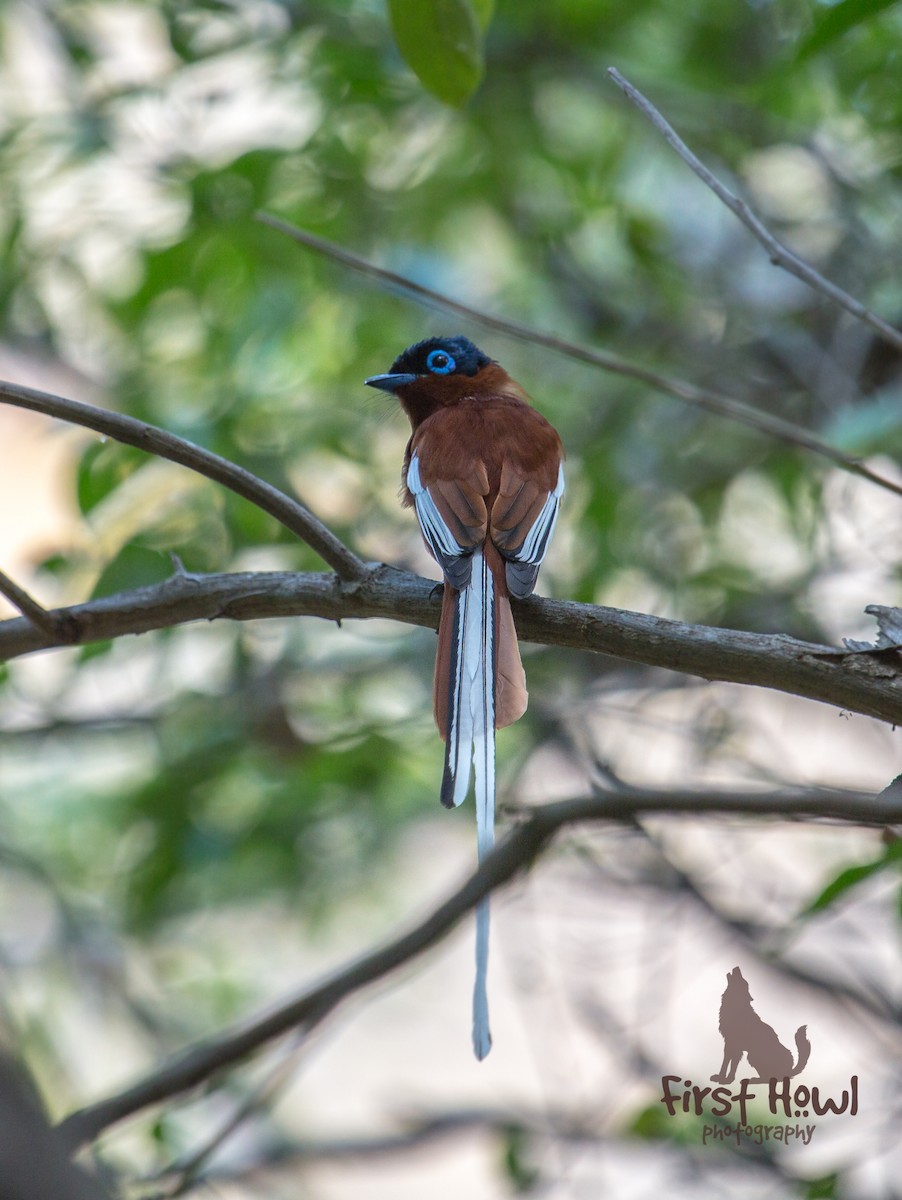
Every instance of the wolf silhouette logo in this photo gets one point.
(744, 1032)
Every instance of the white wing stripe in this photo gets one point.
(434, 528)
(436, 532)
(413, 475)
(535, 544)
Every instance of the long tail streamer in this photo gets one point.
(470, 747)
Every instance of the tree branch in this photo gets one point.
(780, 256)
(188, 1171)
(293, 515)
(869, 683)
(552, 1124)
(515, 853)
(45, 622)
(717, 403)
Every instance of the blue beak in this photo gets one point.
(389, 383)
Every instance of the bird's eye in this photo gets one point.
(440, 362)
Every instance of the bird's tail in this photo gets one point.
(470, 739)
(479, 686)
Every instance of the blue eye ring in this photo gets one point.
(440, 362)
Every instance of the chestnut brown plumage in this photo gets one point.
(483, 470)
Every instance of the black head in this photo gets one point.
(438, 357)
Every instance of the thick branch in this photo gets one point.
(518, 850)
(33, 612)
(780, 256)
(293, 515)
(714, 402)
(866, 683)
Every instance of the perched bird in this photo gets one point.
(483, 471)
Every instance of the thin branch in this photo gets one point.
(516, 852)
(780, 256)
(310, 1007)
(717, 403)
(189, 1169)
(555, 1125)
(45, 622)
(549, 1124)
(850, 996)
(866, 683)
(288, 512)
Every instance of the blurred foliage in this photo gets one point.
(850, 877)
(523, 1177)
(219, 766)
(837, 20)
(826, 1188)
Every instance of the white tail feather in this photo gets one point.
(471, 747)
(482, 1037)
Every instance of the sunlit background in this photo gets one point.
(197, 822)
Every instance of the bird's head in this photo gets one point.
(435, 373)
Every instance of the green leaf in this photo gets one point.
(850, 877)
(95, 650)
(824, 1188)
(845, 880)
(103, 467)
(653, 1124)
(133, 567)
(55, 564)
(837, 21)
(440, 40)
(520, 1173)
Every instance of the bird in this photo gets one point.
(483, 471)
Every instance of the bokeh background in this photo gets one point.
(199, 821)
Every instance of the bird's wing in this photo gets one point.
(523, 519)
(452, 515)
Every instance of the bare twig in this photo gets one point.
(290, 513)
(551, 1124)
(780, 256)
(547, 1126)
(516, 852)
(411, 1135)
(35, 613)
(870, 684)
(188, 1170)
(717, 403)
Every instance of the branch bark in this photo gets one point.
(516, 852)
(869, 683)
(33, 612)
(290, 513)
